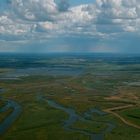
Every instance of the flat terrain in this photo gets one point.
(70, 97)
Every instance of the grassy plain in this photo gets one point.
(102, 85)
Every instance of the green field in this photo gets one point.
(101, 86)
(133, 115)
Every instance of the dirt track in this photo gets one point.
(111, 110)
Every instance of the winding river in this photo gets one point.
(73, 117)
(9, 120)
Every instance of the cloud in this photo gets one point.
(45, 19)
(34, 10)
(9, 27)
(122, 15)
(105, 16)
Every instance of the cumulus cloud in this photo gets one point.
(45, 18)
(9, 27)
(34, 10)
(122, 15)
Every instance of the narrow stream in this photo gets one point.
(9, 120)
(73, 117)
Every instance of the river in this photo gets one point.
(73, 117)
(11, 118)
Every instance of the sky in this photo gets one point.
(42, 26)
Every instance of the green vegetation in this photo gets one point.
(2, 103)
(90, 126)
(4, 70)
(122, 131)
(3, 115)
(102, 85)
(133, 115)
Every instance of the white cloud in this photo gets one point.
(120, 15)
(45, 18)
(10, 27)
(34, 10)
